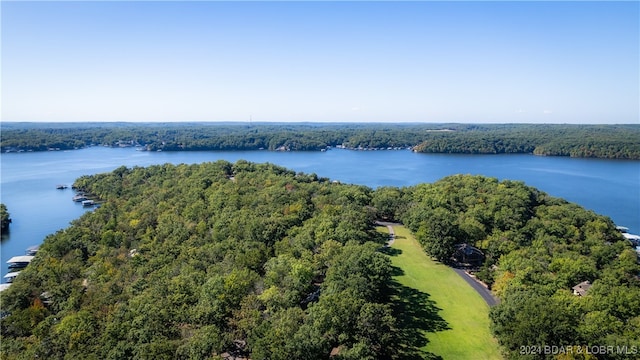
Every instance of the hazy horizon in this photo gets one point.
(327, 62)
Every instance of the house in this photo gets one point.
(582, 288)
(336, 351)
(468, 255)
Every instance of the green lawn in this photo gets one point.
(458, 313)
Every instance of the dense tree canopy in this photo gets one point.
(537, 249)
(190, 261)
(5, 218)
(197, 261)
(601, 141)
(586, 141)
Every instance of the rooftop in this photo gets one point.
(582, 288)
(20, 259)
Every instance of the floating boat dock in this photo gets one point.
(32, 250)
(88, 203)
(79, 198)
(19, 262)
(10, 276)
(635, 239)
(632, 238)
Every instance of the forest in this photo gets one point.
(536, 248)
(254, 260)
(202, 261)
(592, 141)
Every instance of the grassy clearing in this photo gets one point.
(457, 313)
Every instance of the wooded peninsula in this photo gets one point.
(245, 260)
(588, 141)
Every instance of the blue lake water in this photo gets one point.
(28, 180)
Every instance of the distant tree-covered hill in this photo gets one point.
(601, 141)
(586, 141)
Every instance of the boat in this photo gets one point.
(4, 287)
(10, 276)
(79, 198)
(19, 262)
(61, 187)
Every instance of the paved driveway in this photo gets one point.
(478, 287)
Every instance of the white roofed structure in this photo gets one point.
(622, 229)
(631, 237)
(32, 250)
(20, 259)
(12, 275)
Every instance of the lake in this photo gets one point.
(28, 180)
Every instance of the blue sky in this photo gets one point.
(533, 62)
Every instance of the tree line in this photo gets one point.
(599, 141)
(254, 260)
(585, 141)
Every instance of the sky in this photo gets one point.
(295, 61)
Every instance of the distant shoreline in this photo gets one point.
(580, 141)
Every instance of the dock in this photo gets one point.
(19, 262)
(88, 203)
(10, 276)
(79, 198)
(635, 239)
(16, 264)
(32, 250)
(631, 238)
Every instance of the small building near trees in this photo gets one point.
(468, 255)
(582, 288)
